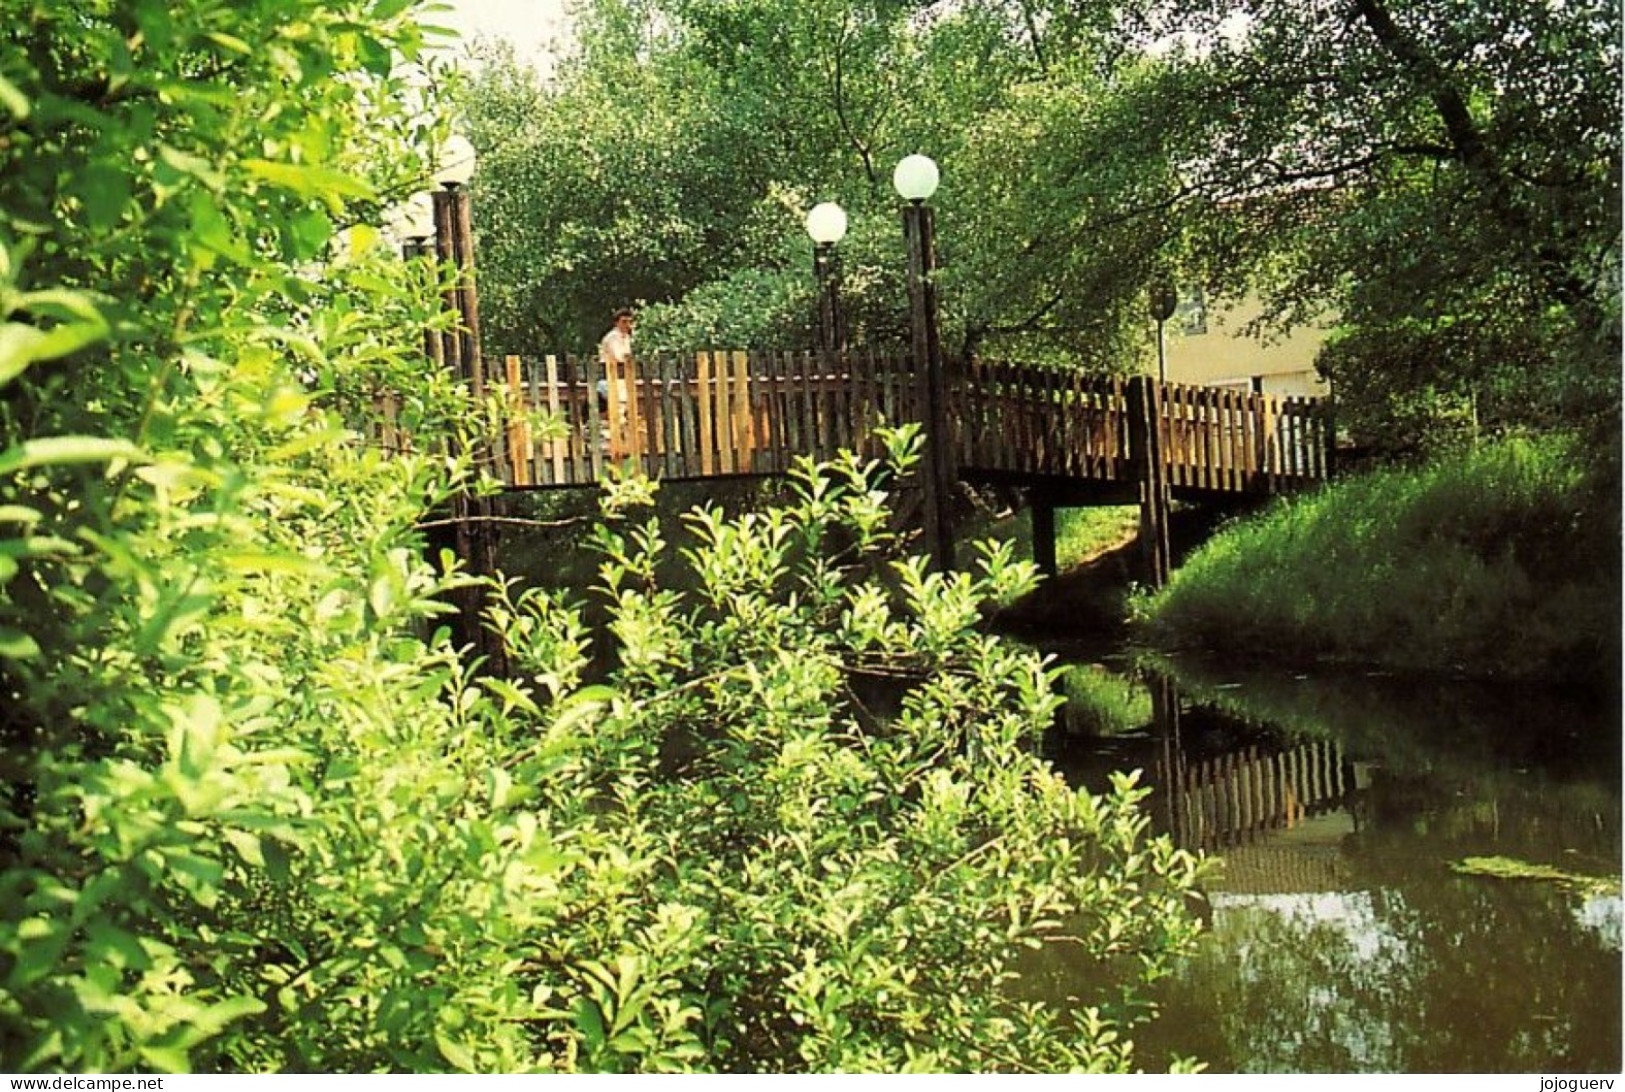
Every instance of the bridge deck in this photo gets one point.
(722, 414)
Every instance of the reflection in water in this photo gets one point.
(1340, 940)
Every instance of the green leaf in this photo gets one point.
(105, 192)
(312, 182)
(308, 232)
(13, 100)
(454, 1052)
(230, 42)
(192, 165)
(165, 1059)
(15, 644)
(22, 344)
(211, 234)
(65, 451)
(589, 1021)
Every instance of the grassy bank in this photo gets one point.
(1503, 562)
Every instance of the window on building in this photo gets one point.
(1190, 314)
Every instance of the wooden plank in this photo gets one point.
(571, 449)
(513, 393)
(744, 427)
(1060, 419)
(1190, 414)
(1008, 385)
(1254, 439)
(1005, 410)
(1181, 435)
(837, 397)
(970, 410)
(789, 409)
(765, 388)
(555, 448)
(704, 397)
(823, 405)
(688, 410)
(1240, 452)
(635, 441)
(1289, 437)
(894, 373)
(727, 440)
(784, 439)
(858, 365)
(597, 437)
(585, 404)
(1207, 448)
(666, 434)
(1038, 437)
(615, 413)
(807, 405)
(1225, 440)
(649, 414)
(1087, 430)
(874, 400)
(1026, 439)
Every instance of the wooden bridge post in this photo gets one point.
(937, 471)
(1149, 468)
(474, 538)
(1043, 519)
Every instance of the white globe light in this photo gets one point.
(826, 223)
(454, 165)
(915, 178)
(417, 216)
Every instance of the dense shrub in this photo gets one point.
(1502, 561)
(258, 814)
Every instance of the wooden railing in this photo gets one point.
(719, 414)
(1232, 799)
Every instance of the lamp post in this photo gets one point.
(915, 180)
(460, 351)
(826, 225)
(454, 243)
(1163, 302)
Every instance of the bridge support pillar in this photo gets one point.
(1150, 469)
(1043, 516)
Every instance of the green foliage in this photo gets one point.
(1501, 562)
(1100, 702)
(1440, 177)
(1510, 868)
(807, 886)
(257, 813)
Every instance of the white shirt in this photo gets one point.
(616, 346)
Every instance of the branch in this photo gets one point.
(456, 520)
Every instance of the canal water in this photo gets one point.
(1350, 929)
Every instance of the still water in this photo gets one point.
(1341, 938)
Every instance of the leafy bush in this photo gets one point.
(258, 814)
(820, 888)
(1502, 561)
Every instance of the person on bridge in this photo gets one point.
(615, 353)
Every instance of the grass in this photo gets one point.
(1101, 703)
(1080, 533)
(1502, 562)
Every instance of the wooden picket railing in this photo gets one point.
(1232, 799)
(721, 414)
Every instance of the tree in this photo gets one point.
(1440, 175)
(259, 814)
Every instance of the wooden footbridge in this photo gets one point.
(1072, 439)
